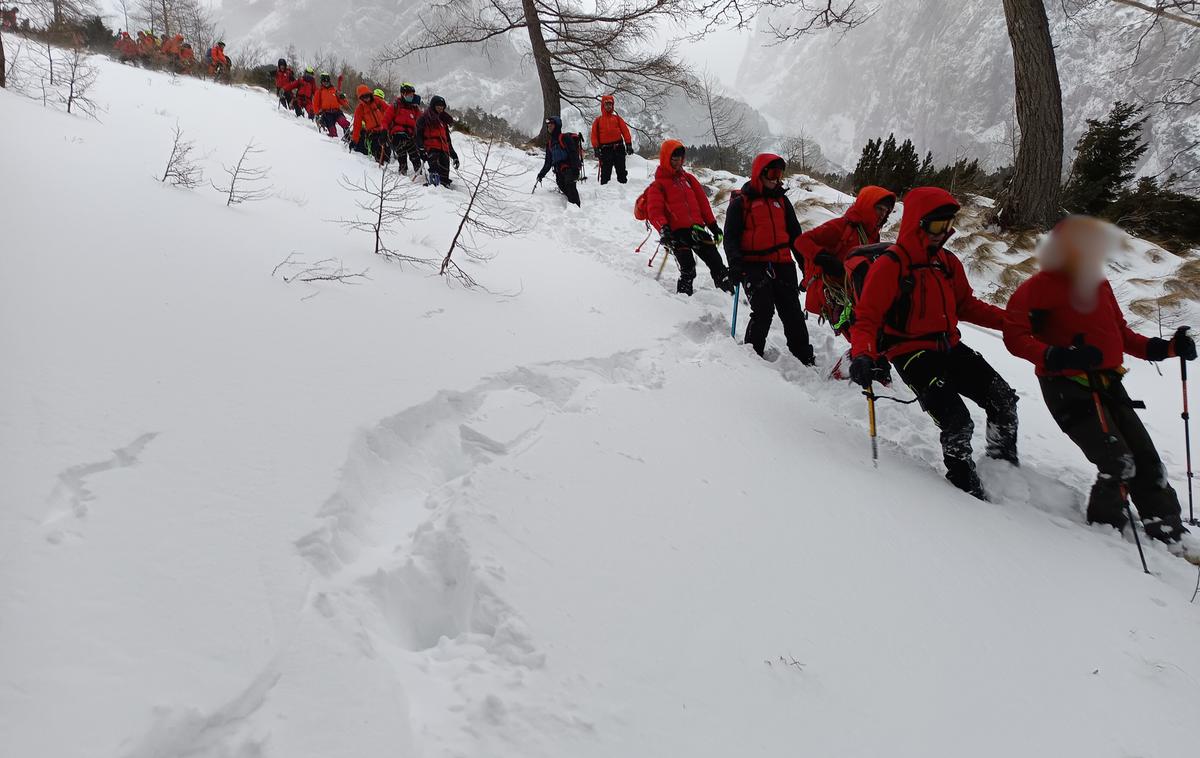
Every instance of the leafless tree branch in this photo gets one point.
(247, 183)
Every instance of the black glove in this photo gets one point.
(541, 176)
(1185, 346)
(596, 153)
(1080, 356)
(830, 265)
(666, 239)
(726, 281)
(629, 148)
(454, 158)
(715, 231)
(863, 371)
(736, 275)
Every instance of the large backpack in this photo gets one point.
(858, 262)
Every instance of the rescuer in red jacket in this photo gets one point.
(677, 206)
(611, 141)
(760, 228)
(1065, 320)
(911, 303)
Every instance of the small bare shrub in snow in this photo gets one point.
(487, 211)
(326, 270)
(246, 181)
(181, 170)
(385, 200)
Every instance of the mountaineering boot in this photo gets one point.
(963, 475)
(1186, 546)
(805, 355)
(685, 285)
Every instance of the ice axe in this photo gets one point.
(737, 295)
(870, 393)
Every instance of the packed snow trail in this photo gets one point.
(405, 519)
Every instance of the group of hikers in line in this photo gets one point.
(898, 305)
(405, 129)
(611, 142)
(171, 52)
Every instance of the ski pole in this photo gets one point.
(1093, 380)
(870, 393)
(1187, 439)
(737, 295)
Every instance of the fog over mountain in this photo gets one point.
(941, 72)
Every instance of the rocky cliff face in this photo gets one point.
(940, 72)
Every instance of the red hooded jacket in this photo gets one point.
(404, 116)
(940, 293)
(838, 236)
(284, 77)
(373, 116)
(1040, 315)
(675, 198)
(760, 228)
(609, 129)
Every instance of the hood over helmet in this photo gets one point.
(664, 153)
(361, 90)
(863, 209)
(762, 162)
(919, 204)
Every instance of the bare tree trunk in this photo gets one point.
(3, 65)
(1033, 196)
(551, 91)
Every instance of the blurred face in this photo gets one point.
(1080, 246)
(882, 211)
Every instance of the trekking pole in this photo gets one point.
(737, 295)
(870, 393)
(1093, 380)
(1187, 439)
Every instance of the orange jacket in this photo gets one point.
(171, 45)
(186, 54)
(370, 117)
(326, 99)
(609, 128)
(218, 55)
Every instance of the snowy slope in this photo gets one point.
(406, 519)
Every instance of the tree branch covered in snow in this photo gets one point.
(324, 270)
(487, 211)
(181, 170)
(386, 199)
(246, 182)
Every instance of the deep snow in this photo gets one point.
(406, 519)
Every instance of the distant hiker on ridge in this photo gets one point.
(611, 141)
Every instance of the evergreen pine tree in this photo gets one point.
(867, 170)
(905, 168)
(1105, 157)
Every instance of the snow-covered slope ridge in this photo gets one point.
(249, 518)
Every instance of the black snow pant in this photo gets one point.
(612, 156)
(1125, 456)
(377, 144)
(439, 167)
(941, 379)
(685, 256)
(566, 177)
(406, 151)
(771, 288)
(285, 97)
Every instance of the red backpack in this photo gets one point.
(641, 210)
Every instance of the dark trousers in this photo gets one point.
(1125, 456)
(377, 144)
(300, 105)
(612, 156)
(439, 167)
(405, 150)
(333, 118)
(285, 97)
(772, 288)
(685, 255)
(941, 379)
(566, 177)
